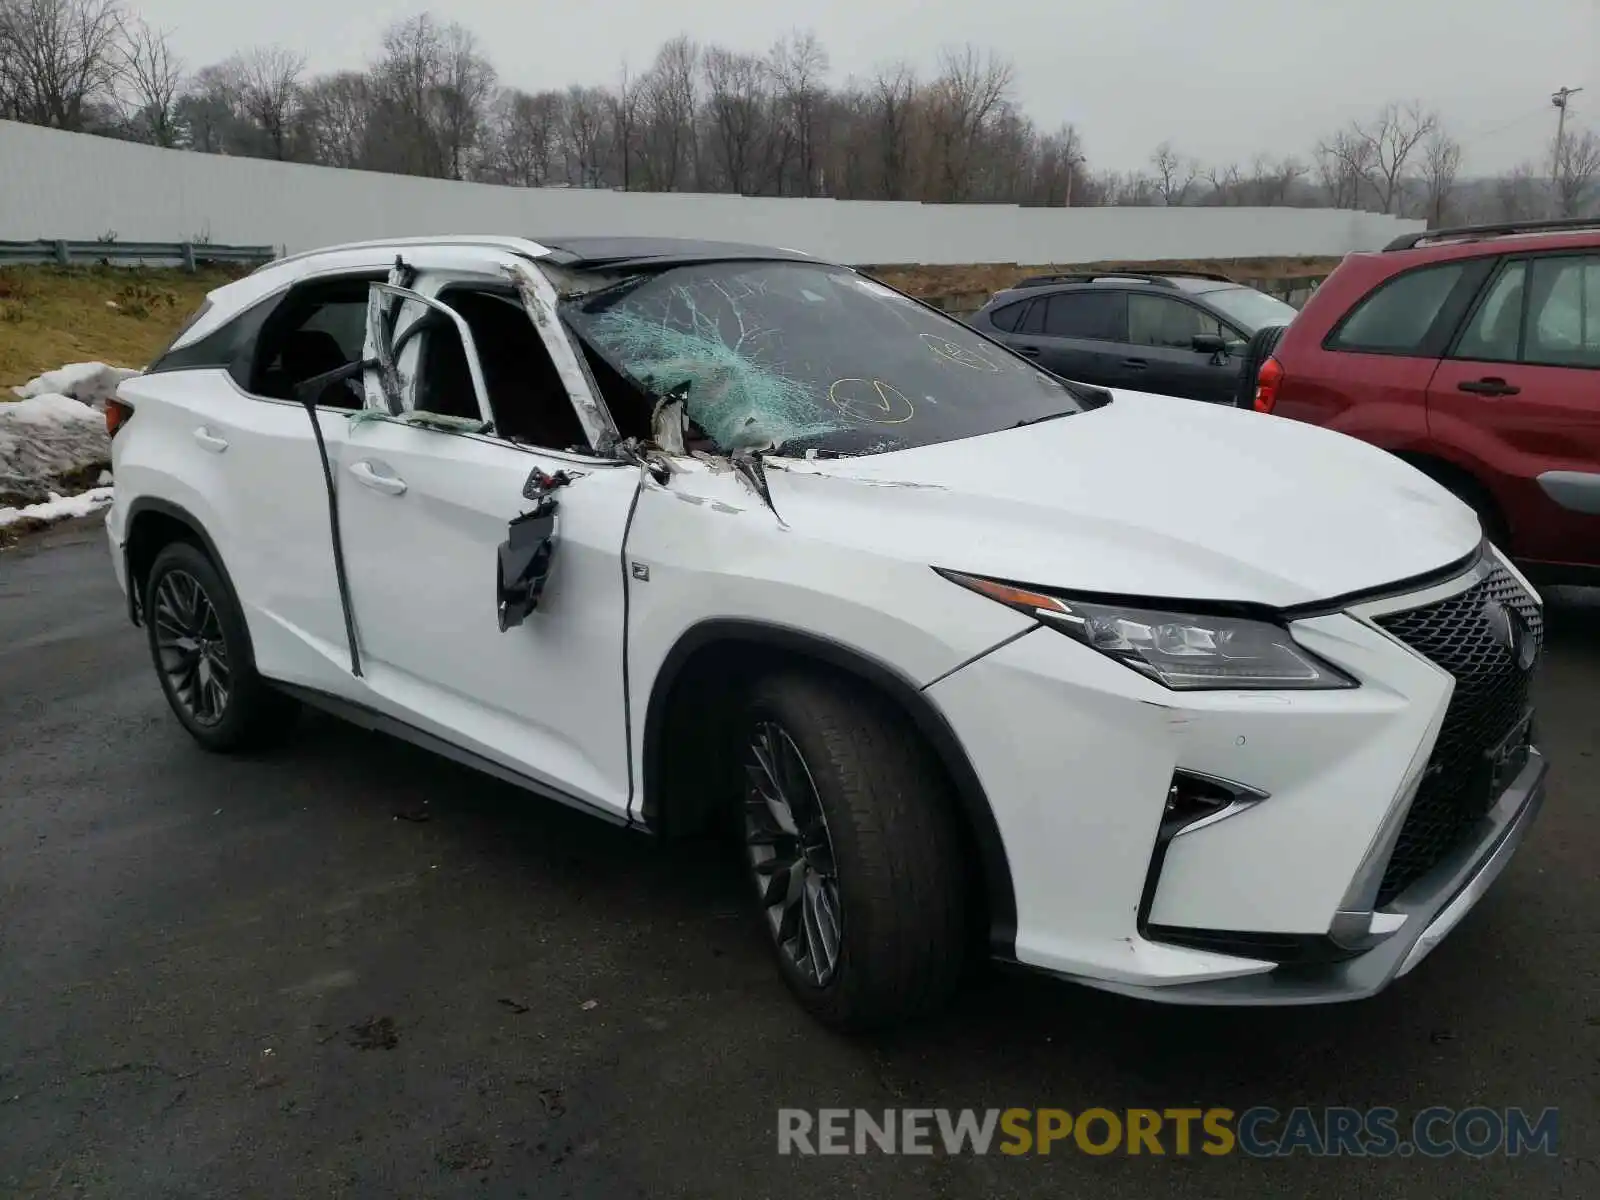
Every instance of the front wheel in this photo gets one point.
(201, 650)
(853, 849)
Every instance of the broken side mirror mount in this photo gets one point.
(522, 567)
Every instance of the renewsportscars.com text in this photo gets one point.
(1258, 1132)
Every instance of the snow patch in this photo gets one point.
(87, 382)
(58, 508)
(43, 438)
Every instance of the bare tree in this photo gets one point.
(58, 58)
(736, 107)
(525, 137)
(1441, 162)
(1175, 175)
(212, 114)
(969, 90)
(1343, 164)
(891, 104)
(624, 106)
(270, 79)
(404, 81)
(1227, 185)
(1516, 195)
(152, 75)
(1391, 138)
(668, 152)
(584, 129)
(799, 68)
(336, 116)
(1272, 181)
(1577, 160)
(461, 97)
(1058, 161)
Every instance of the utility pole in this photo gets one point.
(1559, 99)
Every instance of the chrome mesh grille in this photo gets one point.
(1465, 635)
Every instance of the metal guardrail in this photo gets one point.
(186, 254)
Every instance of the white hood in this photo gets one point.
(1147, 496)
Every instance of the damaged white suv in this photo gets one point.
(1183, 702)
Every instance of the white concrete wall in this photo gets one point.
(65, 185)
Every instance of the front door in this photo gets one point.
(1161, 333)
(425, 499)
(1519, 392)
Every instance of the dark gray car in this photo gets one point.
(1177, 333)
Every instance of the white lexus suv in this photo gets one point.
(1179, 701)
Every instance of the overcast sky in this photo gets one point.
(1222, 79)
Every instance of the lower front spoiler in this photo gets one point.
(1426, 912)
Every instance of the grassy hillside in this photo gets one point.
(120, 315)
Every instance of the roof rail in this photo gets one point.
(1408, 241)
(1158, 278)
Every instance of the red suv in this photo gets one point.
(1474, 354)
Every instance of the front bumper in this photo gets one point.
(1296, 895)
(1420, 918)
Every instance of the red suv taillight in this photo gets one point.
(1267, 380)
(117, 414)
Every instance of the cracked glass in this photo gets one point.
(796, 357)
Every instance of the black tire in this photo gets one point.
(186, 600)
(1257, 350)
(893, 842)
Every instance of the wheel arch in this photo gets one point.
(153, 523)
(731, 649)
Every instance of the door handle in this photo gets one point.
(210, 441)
(1490, 386)
(364, 472)
(1137, 364)
(1030, 351)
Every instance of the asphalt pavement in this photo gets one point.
(348, 968)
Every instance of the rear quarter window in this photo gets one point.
(1400, 314)
(1006, 318)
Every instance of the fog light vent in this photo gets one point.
(1194, 796)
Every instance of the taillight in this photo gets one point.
(1267, 380)
(117, 414)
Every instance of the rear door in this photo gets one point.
(1161, 333)
(244, 459)
(1370, 376)
(1518, 394)
(1079, 335)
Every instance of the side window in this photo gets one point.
(319, 327)
(229, 347)
(527, 398)
(1095, 316)
(1495, 332)
(1396, 318)
(1564, 313)
(1006, 318)
(1168, 324)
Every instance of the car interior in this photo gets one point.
(526, 395)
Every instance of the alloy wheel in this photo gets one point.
(189, 643)
(791, 854)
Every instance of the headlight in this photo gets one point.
(1182, 651)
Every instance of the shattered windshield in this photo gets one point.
(798, 356)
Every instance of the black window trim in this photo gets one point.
(1447, 322)
(1525, 259)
